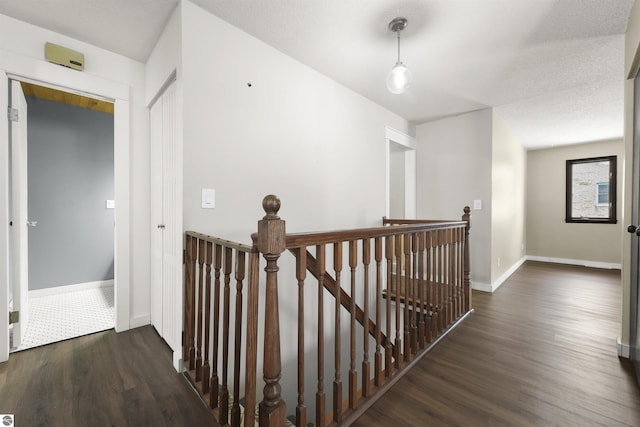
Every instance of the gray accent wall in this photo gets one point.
(71, 176)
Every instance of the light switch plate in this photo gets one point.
(477, 205)
(111, 204)
(208, 198)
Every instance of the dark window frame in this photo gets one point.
(612, 217)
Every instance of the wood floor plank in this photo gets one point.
(104, 379)
(540, 351)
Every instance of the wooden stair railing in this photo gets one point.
(431, 294)
(208, 325)
(402, 288)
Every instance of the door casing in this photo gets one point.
(45, 74)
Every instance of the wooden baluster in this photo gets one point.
(454, 276)
(452, 268)
(189, 285)
(441, 287)
(224, 387)
(433, 285)
(194, 281)
(378, 354)
(301, 273)
(252, 334)
(460, 271)
(366, 260)
(201, 255)
(408, 304)
(320, 396)
(441, 270)
(421, 291)
(399, 293)
(337, 382)
(214, 389)
(240, 274)
(415, 298)
(467, 284)
(187, 308)
(428, 286)
(454, 272)
(353, 374)
(271, 243)
(206, 368)
(387, 344)
(447, 283)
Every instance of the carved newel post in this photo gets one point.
(271, 243)
(467, 267)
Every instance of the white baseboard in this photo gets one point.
(585, 263)
(138, 321)
(495, 285)
(623, 349)
(484, 287)
(70, 288)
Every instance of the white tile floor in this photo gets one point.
(54, 318)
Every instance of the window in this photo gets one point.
(591, 190)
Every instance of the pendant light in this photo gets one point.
(399, 78)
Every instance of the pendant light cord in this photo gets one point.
(398, 33)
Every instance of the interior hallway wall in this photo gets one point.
(454, 158)
(508, 195)
(548, 235)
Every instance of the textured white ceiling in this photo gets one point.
(553, 68)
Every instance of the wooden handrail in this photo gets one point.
(404, 221)
(301, 240)
(218, 241)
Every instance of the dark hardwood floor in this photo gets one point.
(104, 379)
(539, 351)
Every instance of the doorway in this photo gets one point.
(66, 176)
(401, 175)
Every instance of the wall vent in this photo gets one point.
(63, 56)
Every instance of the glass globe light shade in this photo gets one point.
(399, 78)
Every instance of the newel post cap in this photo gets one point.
(467, 216)
(271, 229)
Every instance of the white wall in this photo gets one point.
(165, 58)
(396, 181)
(454, 158)
(548, 235)
(295, 133)
(508, 202)
(115, 76)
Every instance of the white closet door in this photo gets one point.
(155, 132)
(166, 233)
(172, 235)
